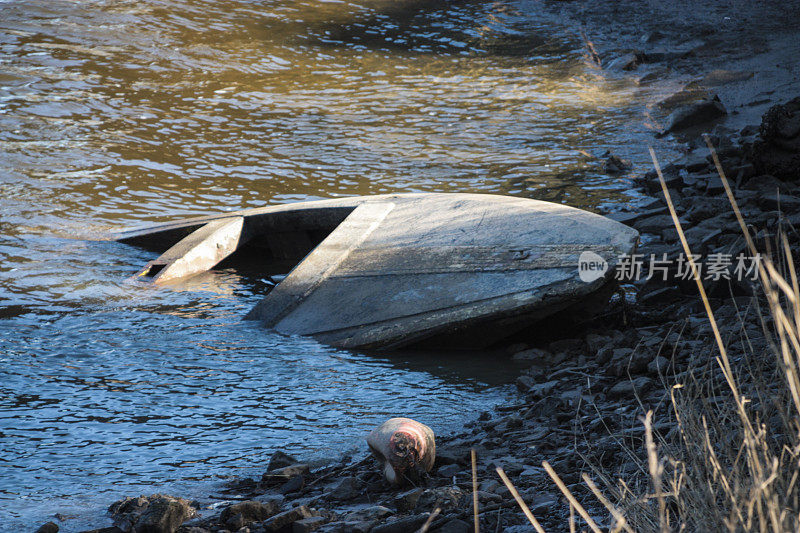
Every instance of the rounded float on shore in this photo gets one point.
(406, 447)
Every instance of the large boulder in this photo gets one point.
(245, 513)
(777, 151)
(695, 115)
(158, 513)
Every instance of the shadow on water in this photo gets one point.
(433, 27)
(495, 368)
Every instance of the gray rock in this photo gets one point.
(485, 496)
(722, 77)
(541, 390)
(777, 151)
(455, 526)
(407, 501)
(449, 471)
(654, 224)
(489, 485)
(596, 342)
(621, 354)
(153, 514)
(403, 525)
(651, 37)
(543, 503)
(565, 345)
(275, 500)
(669, 235)
(715, 186)
(525, 383)
(283, 521)
(510, 465)
(512, 422)
(690, 93)
(616, 165)
(443, 497)
(49, 527)
(652, 76)
(624, 217)
(369, 514)
(659, 365)
(766, 182)
(628, 388)
(284, 474)
(449, 456)
(245, 513)
(235, 523)
(628, 61)
(698, 236)
(164, 515)
(604, 355)
(306, 525)
(293, 485)
(673, 176)
(346, 489)
(280, 459)
(782, 202)
(343, 526)
(125, 512)
(530, 473)
(531, 354)
(693, 162)
(697, 114)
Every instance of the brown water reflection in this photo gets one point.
(115, 111)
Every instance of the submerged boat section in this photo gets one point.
(390, 270)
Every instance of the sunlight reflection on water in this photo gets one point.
(119, 112)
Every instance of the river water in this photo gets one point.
(117, 113)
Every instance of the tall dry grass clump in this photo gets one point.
(734, 464)
(732, 459)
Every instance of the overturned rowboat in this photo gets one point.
(391, 270)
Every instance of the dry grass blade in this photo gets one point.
(723, 359)
(689, 256)
(756, 497)
(578, 507)
(732, 464)
(656, 470)
(750, 245)
(787, 250)
(535, 523)
(429, 521)
(572, 528)
(622, 523)
(767, 274)
(473, 456)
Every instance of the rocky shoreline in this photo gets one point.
(582, 398)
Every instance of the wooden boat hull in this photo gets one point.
(390, 270)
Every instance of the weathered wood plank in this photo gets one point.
(320, 263)
(443, 259)
(197, 252)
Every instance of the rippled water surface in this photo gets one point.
(120, 112)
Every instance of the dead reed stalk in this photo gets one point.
(735, 464)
